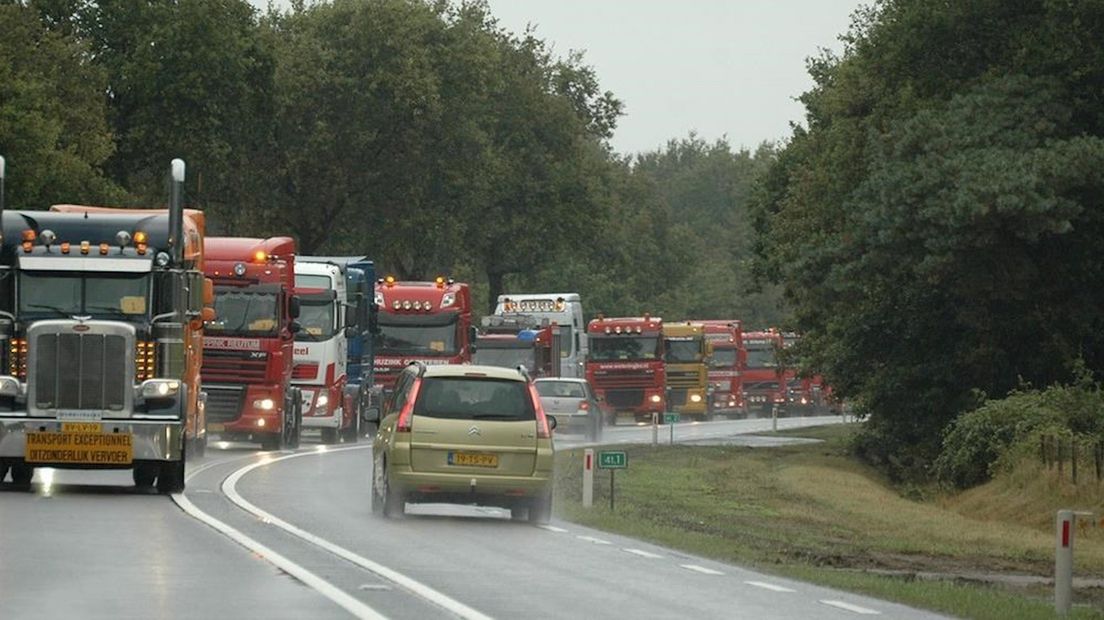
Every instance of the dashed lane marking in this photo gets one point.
(644, 554)
(229, 488)
(597, 541)
(701, 569)
(854, 608)
(769, 586)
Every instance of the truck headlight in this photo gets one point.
(656, 398)
(9, 386)
(323, 400)
(160, 388)
(695, 398)
(264, 404)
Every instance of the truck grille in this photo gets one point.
(684, 378)
(304, 372)
(224, 402)
(761, 386)
(220, 366)
(625, 398)
(621, 380)
(82, 371)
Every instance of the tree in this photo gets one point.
(935, 226)
(53, 128)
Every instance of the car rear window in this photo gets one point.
(464, 398)
(560, 389)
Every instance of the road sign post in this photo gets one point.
(588, 477)
(612, 460)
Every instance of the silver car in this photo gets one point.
(572, 403)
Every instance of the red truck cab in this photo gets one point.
(625, 366)
(512, 340)
(726, 367)
(247, 349)
(763, 384)
(428, 322)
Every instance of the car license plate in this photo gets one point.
(83, 443)
(473, 459)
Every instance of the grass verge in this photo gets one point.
(814, 513)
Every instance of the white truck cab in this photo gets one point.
(321, 347)
(565, 310)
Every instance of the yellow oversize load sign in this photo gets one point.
(83, 443)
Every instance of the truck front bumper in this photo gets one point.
(152, 440)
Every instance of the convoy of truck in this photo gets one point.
(129, 338)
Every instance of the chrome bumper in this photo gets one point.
(153, 440)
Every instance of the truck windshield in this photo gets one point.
(604, 349)
(723, 358)
(243, 312)
(506, 358)
(63, 294)
(417, 339)
(683, 351)
(317, 321)
(312, 281)
(761, 357)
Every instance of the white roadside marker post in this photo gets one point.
(588, 477)
(1066, 527)
(774, 418)
(655, 429)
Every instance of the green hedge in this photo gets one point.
(977, 441)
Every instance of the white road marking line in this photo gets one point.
(381, 587)
(642, 553)
(769, 586)
(701, 569)
(229, 488)
(553, 528)
(597, 541)
(855, 608)
(323, 587)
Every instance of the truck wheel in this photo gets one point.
(329, 435)
(144, 475)
(540, 511)
(292, 427)
(273, 442)
(171, 477)
(22, 475)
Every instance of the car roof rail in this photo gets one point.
(420, 365)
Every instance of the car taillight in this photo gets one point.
(406, 416)
(543, 432)
(584, 405)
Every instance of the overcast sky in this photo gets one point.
(722, 68)
(718, 67)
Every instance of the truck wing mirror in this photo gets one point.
(295, 327)
(208, 292)
(294, 307)
(208, 313)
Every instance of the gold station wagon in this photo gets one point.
(464, 435)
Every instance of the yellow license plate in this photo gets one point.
(473, 459)
(82, 443)
(216, 428)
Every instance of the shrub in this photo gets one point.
(976, 441)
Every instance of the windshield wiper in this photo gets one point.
(60, 311)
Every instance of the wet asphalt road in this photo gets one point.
(86, 545)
